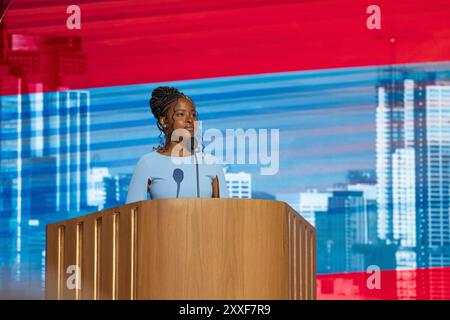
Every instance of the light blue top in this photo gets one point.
(175, 177)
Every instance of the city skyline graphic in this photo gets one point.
(364, 157)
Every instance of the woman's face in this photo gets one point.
(182, 116)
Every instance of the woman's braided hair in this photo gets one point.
(163, 98)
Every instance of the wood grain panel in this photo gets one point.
(292, 258)
(107, 263)
(216, 249)
(303, 255)
(88, 263)
(61, 254)
(69, 292)
(185, 249)
(313, 263)
(307, 263)
(126, 256)
(52, 254)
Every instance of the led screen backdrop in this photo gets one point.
(363, 113)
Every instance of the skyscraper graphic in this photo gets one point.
(10, 142)
(365, 181)
(313, 201)
(239, 185)
(434, 237)
(404, 197)
(44, 144)
(97, 192)
(347, 242)
(67, 139)
(365, 177)
(413, 150)
(106, 190)
(116, 189)
(342, 226)
(10, 168)
(389, 138)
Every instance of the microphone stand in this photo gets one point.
(194, 149)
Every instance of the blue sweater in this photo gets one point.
(175, 177)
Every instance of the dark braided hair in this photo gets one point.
(163, 98)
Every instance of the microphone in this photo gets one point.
(178, 176)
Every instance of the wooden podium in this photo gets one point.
(183, 249)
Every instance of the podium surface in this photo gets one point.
(183, 249)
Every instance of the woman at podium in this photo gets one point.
(176, 168)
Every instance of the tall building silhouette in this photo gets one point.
(10, 142)
(341, 227)
(239, 185)
(116, 189)
(44, 142)
(67, 139)
(311, 202)
(367, 177)
(365, 181)
(413, 158)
